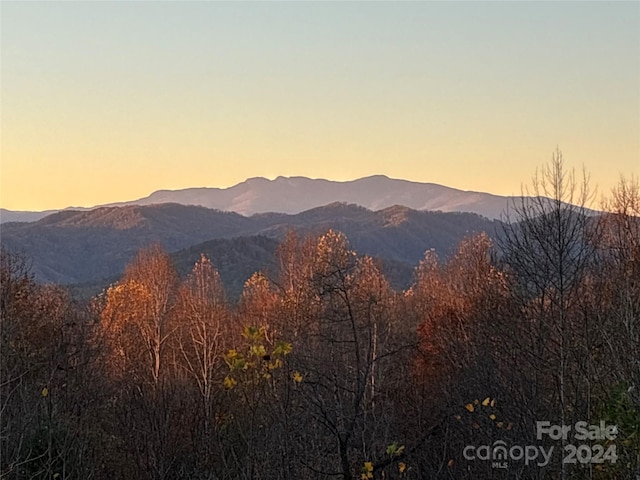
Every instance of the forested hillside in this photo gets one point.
(73, 247)
(321, 369)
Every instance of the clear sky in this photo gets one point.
(109, 101)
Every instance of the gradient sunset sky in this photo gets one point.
(109, 101)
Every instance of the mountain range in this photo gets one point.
(294, 195)
(93, 246)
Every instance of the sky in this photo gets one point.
(110, 101)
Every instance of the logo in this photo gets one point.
(500, 454)
(579, 445)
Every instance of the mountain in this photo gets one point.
(20, 216)
(72, 247)
(82, 246)
(296, 194)
(236, 259)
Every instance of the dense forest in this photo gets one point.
(323, 370)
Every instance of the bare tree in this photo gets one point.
(202, 318)
(343, 355)
(615, 302)
(548, 252)
(46, 380)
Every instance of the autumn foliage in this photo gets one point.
(321, 369)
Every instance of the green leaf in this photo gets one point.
(394, 449)
(282, 348)
(252, 334)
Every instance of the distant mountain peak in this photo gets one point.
(296, 194)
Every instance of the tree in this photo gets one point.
(460, 303)
(548, 254)
(296, 256)
(202, 319)
(343, 356)
(147, 407)
(136, 315)
(46, 381)
(260, 303)
(615, 302)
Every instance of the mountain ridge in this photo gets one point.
(292, 195)
(84, 246)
